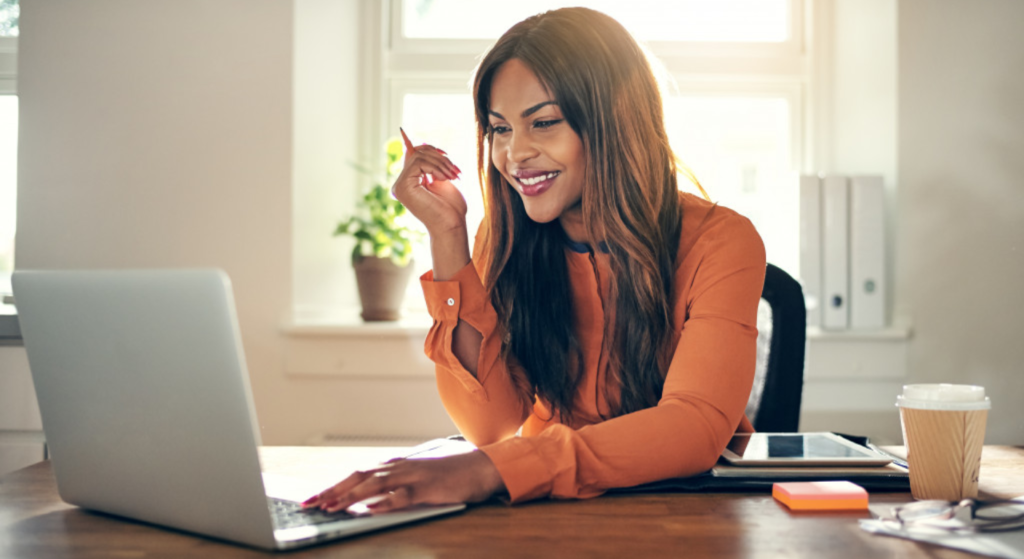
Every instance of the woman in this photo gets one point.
(614, 327)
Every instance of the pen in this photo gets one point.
(409, 148)
(408, 143)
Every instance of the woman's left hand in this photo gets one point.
(463, 478)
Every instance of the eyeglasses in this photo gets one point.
(967, 515)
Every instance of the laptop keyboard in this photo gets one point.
(289, 514)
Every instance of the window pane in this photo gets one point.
(9, 11)
(739, 148)
(444, 120)
(8, 186)
(648, 20)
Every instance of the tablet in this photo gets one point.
(799, 449)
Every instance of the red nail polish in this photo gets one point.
(311, 500)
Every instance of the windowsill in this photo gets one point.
(350, 325)
(900, 330)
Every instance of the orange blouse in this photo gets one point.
(721, 266)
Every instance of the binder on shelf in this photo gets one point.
(810, 246)
(835, 255)
(867, 252)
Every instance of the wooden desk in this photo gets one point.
(35, 523)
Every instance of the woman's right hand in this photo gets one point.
(424, 186)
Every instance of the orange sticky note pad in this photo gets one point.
(821, 495)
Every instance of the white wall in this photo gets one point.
(961, 198)
(158, 134)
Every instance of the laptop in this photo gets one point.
(147, 408)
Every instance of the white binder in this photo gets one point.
(867, 252)
(810, 246)
(835, 277)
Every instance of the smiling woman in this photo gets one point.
(535, 149)
(602, 334)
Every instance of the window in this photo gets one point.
(9, 12)
(737, 77)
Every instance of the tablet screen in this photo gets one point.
(762, 446)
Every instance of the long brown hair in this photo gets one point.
(603, 83)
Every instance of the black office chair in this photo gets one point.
(774, 404)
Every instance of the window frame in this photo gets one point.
(400, 45)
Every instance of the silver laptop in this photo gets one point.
(147, 409)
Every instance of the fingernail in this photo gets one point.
(311, 500)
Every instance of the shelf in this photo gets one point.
(900, 331)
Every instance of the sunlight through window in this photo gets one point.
(647, 20)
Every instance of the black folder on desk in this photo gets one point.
(725, 477)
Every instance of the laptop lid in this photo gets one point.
(145, 397)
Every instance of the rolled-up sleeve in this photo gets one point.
(461, 298)
(493, 404)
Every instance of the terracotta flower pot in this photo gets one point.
(382, 286)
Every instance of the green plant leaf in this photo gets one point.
(394, 149)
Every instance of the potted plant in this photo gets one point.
(382, 257)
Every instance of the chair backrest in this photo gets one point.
(774, 404)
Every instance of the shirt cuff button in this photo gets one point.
(451, 302)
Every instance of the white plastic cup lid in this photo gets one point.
(960, 397)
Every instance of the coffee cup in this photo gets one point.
(943, 430)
